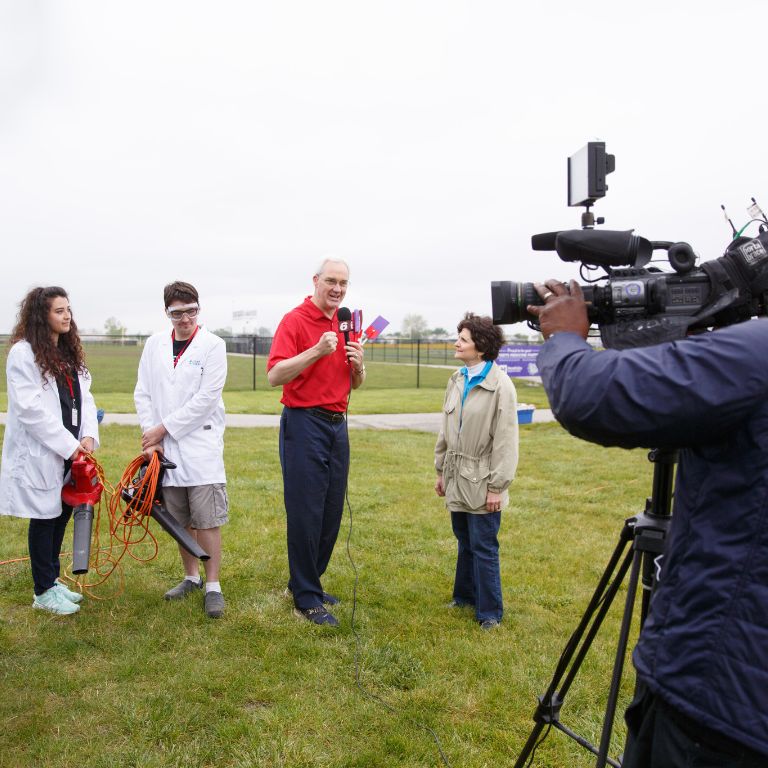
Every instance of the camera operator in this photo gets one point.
(701, 660)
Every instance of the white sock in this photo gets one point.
(213, 586)
(193, 579)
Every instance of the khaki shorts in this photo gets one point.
(198, 506)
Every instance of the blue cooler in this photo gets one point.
(525, 413)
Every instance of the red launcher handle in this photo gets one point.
(84, 486)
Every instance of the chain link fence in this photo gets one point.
(391, 362)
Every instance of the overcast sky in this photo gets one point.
(234, 144)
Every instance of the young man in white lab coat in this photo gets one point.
(181, 412)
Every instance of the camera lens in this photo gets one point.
(509, 301)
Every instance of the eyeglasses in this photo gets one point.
(178, 314)
(332, 282)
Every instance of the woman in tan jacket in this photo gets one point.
(476, 459)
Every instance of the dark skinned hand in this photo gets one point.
(564, 308)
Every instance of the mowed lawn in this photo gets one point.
(137, 681)
(390, 387)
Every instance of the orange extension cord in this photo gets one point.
(128, 527)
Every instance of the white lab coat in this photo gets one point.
(187, 400)
(36, 442)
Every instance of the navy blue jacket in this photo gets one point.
(704, 647)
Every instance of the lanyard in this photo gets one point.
(74, 414)
(184, 348)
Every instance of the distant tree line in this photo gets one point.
(414, 326)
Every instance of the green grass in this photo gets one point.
(390, 387)
(114, 371)
(136, 681)
(364, 400)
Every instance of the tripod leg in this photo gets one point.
(530, 745)
(648, 582)
(548, 710)
(648, 531)
(618, 665)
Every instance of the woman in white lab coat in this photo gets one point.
(51, 419)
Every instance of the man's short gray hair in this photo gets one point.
(330, 260)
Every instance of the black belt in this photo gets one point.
(333, 416)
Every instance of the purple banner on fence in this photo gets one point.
(518, 359)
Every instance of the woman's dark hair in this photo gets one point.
(488, 337)
(179, 291)
(64, 358)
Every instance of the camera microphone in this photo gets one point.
(604, 247)
(545, 241)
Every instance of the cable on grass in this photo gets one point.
(127, 526)
(358, 641)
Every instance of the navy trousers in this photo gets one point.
(478, 578)
(45, 538)
(659, 736)
(314, 455)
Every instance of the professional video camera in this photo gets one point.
(638, 306)
(634, 305)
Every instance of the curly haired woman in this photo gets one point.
(51, 419)
(476, 459)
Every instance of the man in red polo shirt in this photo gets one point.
(316, 369)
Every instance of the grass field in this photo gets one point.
(114, 370)
(389, 387)
(136, 681)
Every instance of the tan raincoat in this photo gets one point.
(477, 447)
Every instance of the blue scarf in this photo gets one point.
(469, 383)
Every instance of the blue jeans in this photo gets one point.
(314, 455)
(478, 579)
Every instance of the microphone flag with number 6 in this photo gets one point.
(344, 317)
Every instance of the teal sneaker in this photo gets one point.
(73, 597)
(53, 601)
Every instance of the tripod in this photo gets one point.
(647, 532)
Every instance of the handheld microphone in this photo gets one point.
(344, 317)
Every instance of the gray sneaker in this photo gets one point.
(214, 605)
(182, 589)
